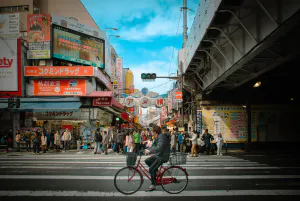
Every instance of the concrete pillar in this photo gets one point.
(16, 126)
(249, 133)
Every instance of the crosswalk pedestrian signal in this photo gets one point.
(148, 76)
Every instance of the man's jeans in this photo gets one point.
(66, 145)
(28, 145)
(97, 147)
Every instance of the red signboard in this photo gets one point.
(59, 71)
(102, 101)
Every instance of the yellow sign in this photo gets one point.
(115, 82)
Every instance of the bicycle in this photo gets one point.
(167, 176)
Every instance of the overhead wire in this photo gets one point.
(174, 47)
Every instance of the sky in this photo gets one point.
(150, 35)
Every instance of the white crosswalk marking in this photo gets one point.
(226, 175)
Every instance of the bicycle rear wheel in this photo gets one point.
(174, 180)
(128, 180)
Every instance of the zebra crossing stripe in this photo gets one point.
(197, 193)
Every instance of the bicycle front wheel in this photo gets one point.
(174, 180)
(128, 180)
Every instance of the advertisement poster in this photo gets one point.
(38, 38)
(58, 71)
(119, 74)
(77, 47)
(9, 23)
(8, 65)
(59, 87)
(230, 121)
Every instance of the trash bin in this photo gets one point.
(78, 144)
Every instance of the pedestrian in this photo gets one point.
(44, 142)
(98, 140)
(35, 140)
(219, 142)
(57, 141)
(47, 134)
(207, 138)
(173, 142)
(5, 142)
(120, 142)
(67, 138)
(126, 143)
(194, 144)
(130, 142)
(201, 145)
(18, 140)
(137, 140)
(105, 142)
(188, 143)
(27, 138)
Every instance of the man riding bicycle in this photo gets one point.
(161, 154)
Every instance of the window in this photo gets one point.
(14, 9)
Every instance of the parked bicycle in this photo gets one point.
(172, 178)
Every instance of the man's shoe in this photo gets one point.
(151, 188)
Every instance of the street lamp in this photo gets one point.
(117, 36)
(115, 29)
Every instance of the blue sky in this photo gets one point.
(148, 31)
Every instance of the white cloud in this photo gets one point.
(154, 66)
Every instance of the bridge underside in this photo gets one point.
(245, 41)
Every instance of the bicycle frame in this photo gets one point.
(140, 168)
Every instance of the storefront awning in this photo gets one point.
(47, 104)
(117, 104)
(96, 94)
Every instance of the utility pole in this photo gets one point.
(181, 87)
(184, 8)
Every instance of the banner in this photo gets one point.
(77, 47)
(59, 87)
(59, 71)
(119, 74)
(9, 23)
(8, 65)
(38, 36)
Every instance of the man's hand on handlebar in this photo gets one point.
(147, 151)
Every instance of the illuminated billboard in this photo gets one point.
(77, 47)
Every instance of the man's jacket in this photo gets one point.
(162, 148)
(207, 138)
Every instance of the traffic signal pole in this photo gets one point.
(181, 87)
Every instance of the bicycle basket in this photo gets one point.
(131, 159)
(178, 158)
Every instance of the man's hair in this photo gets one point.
(157, 130)
(98, 129)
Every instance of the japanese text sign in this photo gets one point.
(119, 74)
(59, 87)
(102, 101)
(58, 71)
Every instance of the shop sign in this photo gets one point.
(74, 25)
(9, 23)
(77, 47)
(119, 73)
(130, 109)
(129, 101)
(8, 65)
(59, 87)
(199, 121)
(102, 101)
(59, 71)
(104, 78)
(38, 36)
(83, 114)
(145, 102)
(160, 101)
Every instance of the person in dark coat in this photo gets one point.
(161, 154)
(207, 138)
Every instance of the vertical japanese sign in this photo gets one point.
(38, 38)
(199, 121)
(9, 23)
(8, 65)
(119, 74)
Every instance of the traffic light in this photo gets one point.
(148, 76)
(11, 102)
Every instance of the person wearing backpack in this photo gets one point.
(98, 140)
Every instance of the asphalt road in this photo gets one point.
(85, 176)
